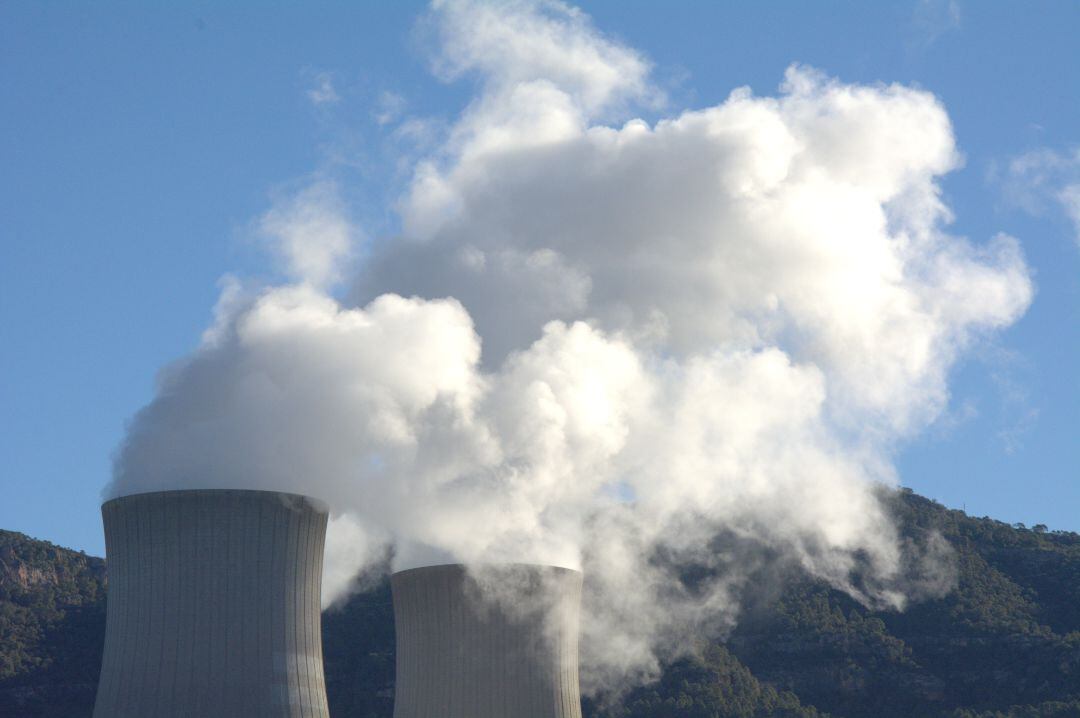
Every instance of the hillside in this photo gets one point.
(52, 625)
(1005, 642)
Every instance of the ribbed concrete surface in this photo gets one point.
(460, 655)
(213, 606)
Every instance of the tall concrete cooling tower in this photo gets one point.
(466, 649)
(213, 605)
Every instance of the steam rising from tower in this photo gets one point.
(587, 339)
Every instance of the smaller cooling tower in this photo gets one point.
(501, 646)
(213, 606)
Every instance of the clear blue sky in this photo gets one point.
(138, 141)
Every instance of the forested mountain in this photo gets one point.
(52, 626)
(1004, 642)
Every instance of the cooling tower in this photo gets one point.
(213, 605)
(504, 645)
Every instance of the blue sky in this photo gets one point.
(140, 143)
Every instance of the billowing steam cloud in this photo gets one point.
(599, 342)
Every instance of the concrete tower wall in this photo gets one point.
(461, 654)
(213, 605)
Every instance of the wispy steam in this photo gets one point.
(323, 91)
(1042, 179)
(603, 345)
(311, 235)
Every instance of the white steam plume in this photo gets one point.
(599, 345)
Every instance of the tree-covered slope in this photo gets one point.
(52, 625)
(1006, 639)
(1004, 642)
